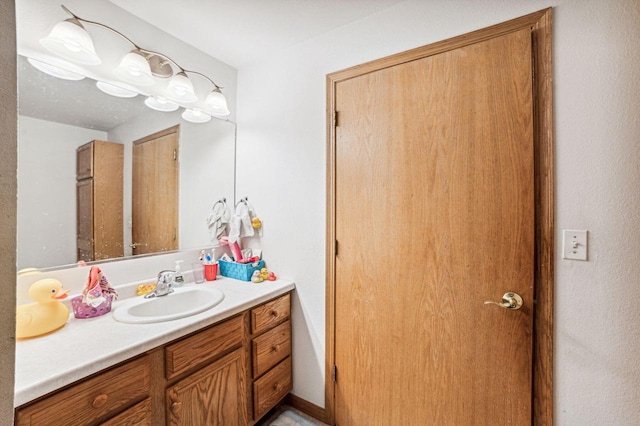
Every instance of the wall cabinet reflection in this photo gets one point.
(99, 185)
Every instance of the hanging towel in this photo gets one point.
(218, 220)
(241, 223)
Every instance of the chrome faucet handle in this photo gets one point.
(165, 279)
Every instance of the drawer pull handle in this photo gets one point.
(99, 401)
(274, 313)
(275, 348)
(175, 407)
(277, 387)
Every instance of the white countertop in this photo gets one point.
(86, 346)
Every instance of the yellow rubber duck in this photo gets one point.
(46, 314)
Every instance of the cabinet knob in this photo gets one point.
(99, 401)
(176, 406)
(274, 313)
(275, 348)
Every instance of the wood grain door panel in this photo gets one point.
(434, 216)
(155, 193)
(215, 396)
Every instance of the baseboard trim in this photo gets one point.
(306, 407)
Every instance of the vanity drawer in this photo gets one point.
(99, 397)
(271, 388)
(266, 316)
(271, 348)
(139, 415)
(203, 347)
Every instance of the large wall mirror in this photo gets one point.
(57, 116)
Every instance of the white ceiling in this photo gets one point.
(241, 31)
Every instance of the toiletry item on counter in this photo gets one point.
(210, 271)
(96, 288)
(178, 278)
(234, 246)
(147, 288)
(249, 260)
(198, 272)
(97, 296)
(46, 314)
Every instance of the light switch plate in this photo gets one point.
(574, 244)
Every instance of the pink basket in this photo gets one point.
(84, 311)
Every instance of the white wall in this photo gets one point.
(47, 191)
(281, 126)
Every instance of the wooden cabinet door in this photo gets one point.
(84, 195)
(84, 161)
(215, 395)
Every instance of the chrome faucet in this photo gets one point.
(163, 285)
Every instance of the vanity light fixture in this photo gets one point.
(135, 69)
(55, 71)
(70, 40)
(160, 103)
(117, 91)
(181, 88)
(195, 116)
(217, 102)
(140, 68)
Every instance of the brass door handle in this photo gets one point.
(510, 300)
(134, 245)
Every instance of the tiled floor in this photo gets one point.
(282, 408)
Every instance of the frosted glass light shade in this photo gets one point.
(181, 89)
(217, 103)
(134, 69)
(117, 91)
(69, 40)
(195, 116)
(160, 103)
(54, 70)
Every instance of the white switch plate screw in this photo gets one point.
(574, 244)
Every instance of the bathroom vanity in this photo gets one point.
(226, 366)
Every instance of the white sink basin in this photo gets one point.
(183, 302)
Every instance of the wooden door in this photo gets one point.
(155, 193)
(434, 215)
(214, 396)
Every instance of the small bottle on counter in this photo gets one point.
(178, 279)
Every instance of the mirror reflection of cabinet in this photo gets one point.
(99, 186)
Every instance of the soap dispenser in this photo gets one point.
(178, 279)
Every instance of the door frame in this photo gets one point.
(540, 25)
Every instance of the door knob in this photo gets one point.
(510, 300)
